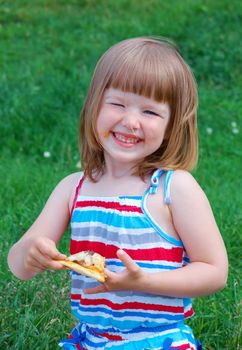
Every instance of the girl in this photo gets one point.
(136, 204)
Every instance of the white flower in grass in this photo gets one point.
(78, 165)
(235, 130)
(209, 130)
(47, 154)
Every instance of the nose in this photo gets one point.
(131, 120)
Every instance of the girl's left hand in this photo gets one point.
(128, 279)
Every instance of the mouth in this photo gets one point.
(126, 138)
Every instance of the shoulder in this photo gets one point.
(189, 206)
(71, 179)
(184, 187)
(182, 182)
(67, 185)
(59, 199)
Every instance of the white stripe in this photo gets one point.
(112, 228)
(135, 202)
(120, 231)
(143, 335)
(188, 307)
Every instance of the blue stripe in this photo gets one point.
(187, 302)
(126, 314)
(137, 198)
(142, 329)
(98, 344)
(167, 187)
(186, 259)
(143, 265)
(134, 222)
(120, 324)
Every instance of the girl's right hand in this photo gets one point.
(36, 250)
(42, 254)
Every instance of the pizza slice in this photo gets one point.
(87, 263)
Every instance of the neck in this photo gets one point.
(117, 170)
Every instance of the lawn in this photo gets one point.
(48, 50)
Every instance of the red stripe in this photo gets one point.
(76, 194)
(108, 336)
(128, 305)
(109, 251)
(189, 313)
(181, 347)
(108, 205)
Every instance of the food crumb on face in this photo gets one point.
(105, 134)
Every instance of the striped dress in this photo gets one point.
(126, 319)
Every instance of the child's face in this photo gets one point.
(130, 126)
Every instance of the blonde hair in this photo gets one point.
(151, 67)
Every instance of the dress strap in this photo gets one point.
(78, 186)
(154, 183)
(155, 179)
(167, 187)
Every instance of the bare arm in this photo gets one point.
(196, 226)
(35, 251)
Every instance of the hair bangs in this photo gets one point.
(141, 73)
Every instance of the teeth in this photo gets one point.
(126, 139)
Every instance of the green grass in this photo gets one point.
(48, 50)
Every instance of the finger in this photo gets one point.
(60, 256)
(127, 261)
(55, 265)
(110, 274)
(44, 262)
(34, 266)
(49, 249)
(99, 289)
(37, 270)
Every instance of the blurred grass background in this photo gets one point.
(48, 50)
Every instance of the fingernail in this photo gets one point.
(62, 256)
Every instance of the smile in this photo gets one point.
(128, 139)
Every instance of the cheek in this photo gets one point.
(155, 132)
(100, 124)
